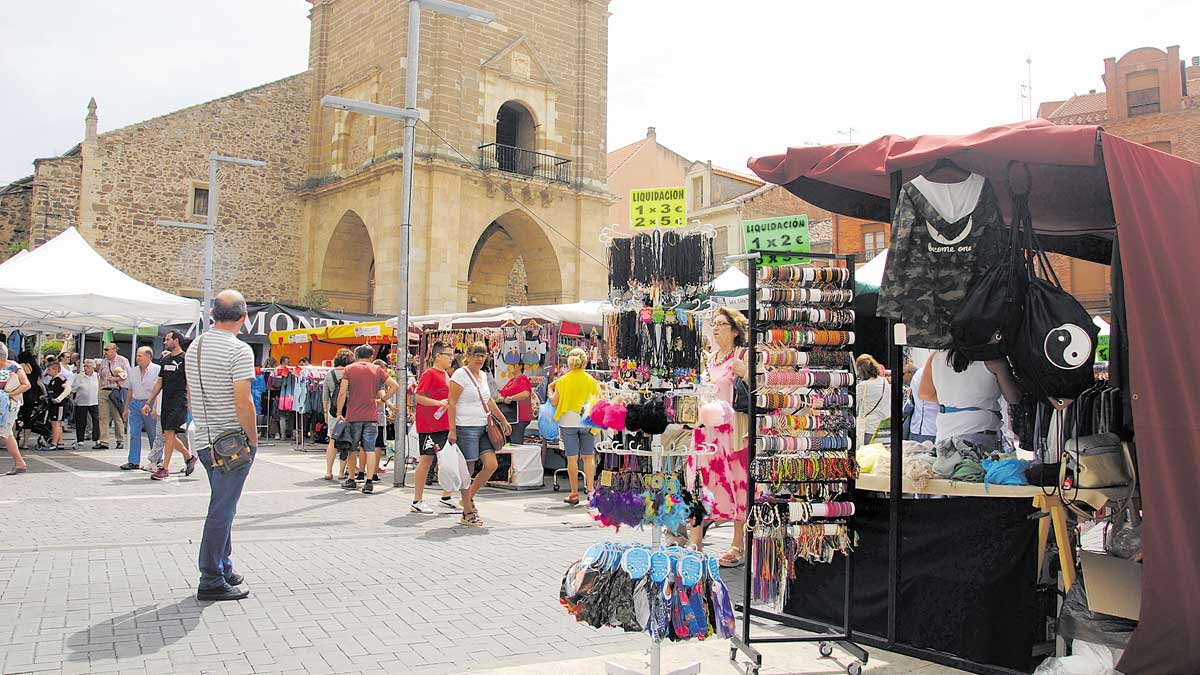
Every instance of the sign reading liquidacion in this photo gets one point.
(658, 207)
(787, 233)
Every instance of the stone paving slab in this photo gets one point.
(98, 573)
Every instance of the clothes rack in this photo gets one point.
(827, 635)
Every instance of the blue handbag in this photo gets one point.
(547, 425)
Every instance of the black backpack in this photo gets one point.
(1055, 346)
(986, 324)
(337, 388)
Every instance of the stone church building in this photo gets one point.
(509, 182)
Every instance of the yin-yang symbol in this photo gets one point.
(1068, 346)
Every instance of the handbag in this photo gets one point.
(987, 321)
(741, 391)
(1097, 461)
(1055, 346)
(495, 430)
(230, 450)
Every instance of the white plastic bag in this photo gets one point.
(1086, 658)
(452, 468)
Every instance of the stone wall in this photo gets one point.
(553, 58)
(16, 201)
(55, 200)
(147, 171)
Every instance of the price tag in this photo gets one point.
(658, 207)
(660, 566)
(636, 562)
(789, 233)
(691, 570)
(592, 554)
(298, 338)
(368, 331)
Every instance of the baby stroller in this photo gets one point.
(36, 419)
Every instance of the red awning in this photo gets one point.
(1087, 185)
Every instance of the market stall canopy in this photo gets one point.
(1070, 190)
(321, 343)
(584, 313)
(1087, 186)
(869, 277)
(731, 283)
(65, 285)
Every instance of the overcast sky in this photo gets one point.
(719, 80)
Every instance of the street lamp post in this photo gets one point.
(209, 227)
(409, 114)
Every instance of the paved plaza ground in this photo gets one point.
(98, 574)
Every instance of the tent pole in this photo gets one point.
(896, 356)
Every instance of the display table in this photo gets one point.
(1053, 506)
(524, 468)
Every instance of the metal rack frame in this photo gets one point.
(826, 634)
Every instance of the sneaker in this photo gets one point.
(421, 507)
(120, 444)
(191, 466)
(147, 467)
(128, 466)
(99, 446)
(161, 474)
(361, 475)
(350, 484)
(368, 488)
(450, 504)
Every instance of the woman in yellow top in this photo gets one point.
(569, 394)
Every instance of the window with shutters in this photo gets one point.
(1141, 92)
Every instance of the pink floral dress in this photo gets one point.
(725, 474)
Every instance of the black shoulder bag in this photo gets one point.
(230, 450)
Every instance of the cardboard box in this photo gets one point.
(1114, 585)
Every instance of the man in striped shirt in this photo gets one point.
(219, 369)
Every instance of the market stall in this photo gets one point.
(1089, 189)
(321, 343)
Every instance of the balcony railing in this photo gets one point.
(524, 162)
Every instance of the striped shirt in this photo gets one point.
(216, 359)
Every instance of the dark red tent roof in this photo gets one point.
(1087, 184)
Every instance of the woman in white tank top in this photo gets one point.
(968, 395)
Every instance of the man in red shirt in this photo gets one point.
(433, 424)
(358, 404)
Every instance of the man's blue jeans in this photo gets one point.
(138, 422)
(215, 543)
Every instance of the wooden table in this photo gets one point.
(1053, 506)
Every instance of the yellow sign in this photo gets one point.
(657, 207)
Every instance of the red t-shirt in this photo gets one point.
(365, 380)
(435, 384)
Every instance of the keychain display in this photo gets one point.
(669, 593)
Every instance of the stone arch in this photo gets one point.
(513, 262)
(516, 130)
(348, 273)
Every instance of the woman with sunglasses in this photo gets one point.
(433, 423)
(468, 405)
(726, 474)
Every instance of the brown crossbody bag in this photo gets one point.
(495, 430)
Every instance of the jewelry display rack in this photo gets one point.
(827, 635)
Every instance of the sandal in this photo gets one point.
(17, 470)
(471, 519)
(734, 557)
(572, 499)
(328, 477)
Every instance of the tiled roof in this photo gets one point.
(730, 173)
(1082, 105)
(1045, 110)
(618, 157)
(25, 183)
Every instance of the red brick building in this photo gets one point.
(1151, 97)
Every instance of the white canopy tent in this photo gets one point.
(587, 312)
(64, 285)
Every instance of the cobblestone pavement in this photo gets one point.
(98, 574)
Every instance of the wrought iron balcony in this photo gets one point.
(524, 162)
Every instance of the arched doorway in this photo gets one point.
(348, 275)
(516, 130)
(513, 263)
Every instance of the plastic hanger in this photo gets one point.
(944, 164)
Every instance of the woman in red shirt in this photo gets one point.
(433, 424)
(518, 394)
